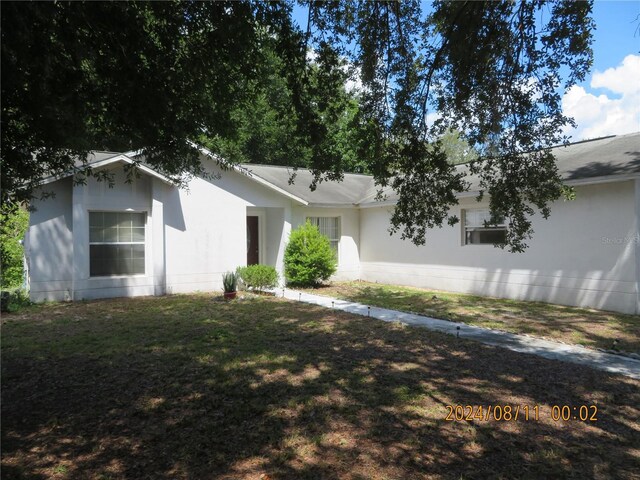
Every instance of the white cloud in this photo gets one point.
(604, 114)
(624, 79)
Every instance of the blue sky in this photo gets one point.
(616, 34)
(607, 102)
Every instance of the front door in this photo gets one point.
(253, 241)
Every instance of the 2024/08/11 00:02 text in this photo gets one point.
(513, 413)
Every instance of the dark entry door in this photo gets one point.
(253, 241)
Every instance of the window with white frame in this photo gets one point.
(116, 243)
(478, 231)
(329, 227)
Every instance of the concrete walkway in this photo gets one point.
(519, 343)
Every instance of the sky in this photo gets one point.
(607, 102)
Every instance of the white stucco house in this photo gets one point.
(153, 238)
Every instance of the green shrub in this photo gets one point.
(308, 258)
(14, 300)
(13, 225)
(229, 282)
(259, 277)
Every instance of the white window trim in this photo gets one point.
(146, 243)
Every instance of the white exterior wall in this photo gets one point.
(584, 254)
(48, 245)
(349, 245)
(192, 235)
(205, 229)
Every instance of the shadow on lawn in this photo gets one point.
(574, 325)
(294, 391)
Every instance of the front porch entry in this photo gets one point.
(265, 229)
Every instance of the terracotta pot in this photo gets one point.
(230, 295)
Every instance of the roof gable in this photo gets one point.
(98, 159)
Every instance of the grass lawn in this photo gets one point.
(591, 328)
(262, 388)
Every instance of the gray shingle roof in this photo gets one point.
(601, 157)
(616, 155)
(348, 191)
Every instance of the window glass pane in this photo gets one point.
(96, 219)
(328, 226)
(137, 219)
(96, 234)
(137, 234)
(125, 266)
(123, 251)
(110, 234)
(486, 236)
(116, 260)
(138, 265)
(137, 251)
(115, 254)
(110, 219)
(96, 252)
(124, 220)
(102, 256)
(477, 217)
(124, 234)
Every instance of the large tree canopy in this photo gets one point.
(267, 125)
(151, 76)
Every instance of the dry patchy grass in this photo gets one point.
(189, 387)
(588, 327)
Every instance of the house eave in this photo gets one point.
(382, 203)
(572, 183)
(332, 205)
(602, 179)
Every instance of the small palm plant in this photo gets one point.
(230, 284)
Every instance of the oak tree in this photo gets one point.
(150, 76)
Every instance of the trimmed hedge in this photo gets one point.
(258, 277)
(308, 258)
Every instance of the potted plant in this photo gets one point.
(230, 284)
